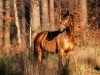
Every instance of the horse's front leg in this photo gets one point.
(44, 56)
(61, 51)
(60, 59)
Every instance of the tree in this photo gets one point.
(45, 15)
(83, 14)
(35, 19)
(7, 26)
(23, 24)
(52, 19)
(57, 6)
(17, 23)
(79, 9)
(1, 23)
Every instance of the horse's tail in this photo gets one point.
(37, 44)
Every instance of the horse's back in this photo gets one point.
(39, 37)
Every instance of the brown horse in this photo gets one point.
(59, 41)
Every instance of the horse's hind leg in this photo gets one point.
(39, 54)
(44, 57)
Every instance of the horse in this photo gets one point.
(59, 41)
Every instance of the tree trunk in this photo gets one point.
(45, 15)
(7, 26)
(17, 23)
(79, 9)
(1, 23)
(83, 13)
(35, 19)
(57, 13)
(97, 14)
(52, 19)
(23, 25)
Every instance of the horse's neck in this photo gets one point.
(63, 38)
(63, 35)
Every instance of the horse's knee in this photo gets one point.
(61, 53)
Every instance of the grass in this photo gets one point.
(82, 61)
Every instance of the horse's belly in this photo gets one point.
(49, 46)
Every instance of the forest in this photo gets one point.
(22, 20)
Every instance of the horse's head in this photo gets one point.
(67, 21)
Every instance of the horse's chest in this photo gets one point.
(49, 46)
(63, 41)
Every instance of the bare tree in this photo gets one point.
(79, 9)
(35, 18)
(7, 26)
(97, 13)
(52, 19)
(23, 24)
(83, 14)
(57, 12)
(17, 23)
(1, 23)
(45, 15)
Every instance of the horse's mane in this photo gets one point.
(51, 35)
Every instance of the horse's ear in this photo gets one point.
(66, 15)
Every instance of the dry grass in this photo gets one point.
(84, 61)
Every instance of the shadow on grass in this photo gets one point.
(63, 69)
(2, 68)
(12, 65)
(97, 68)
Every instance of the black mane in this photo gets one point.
(51, 35)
